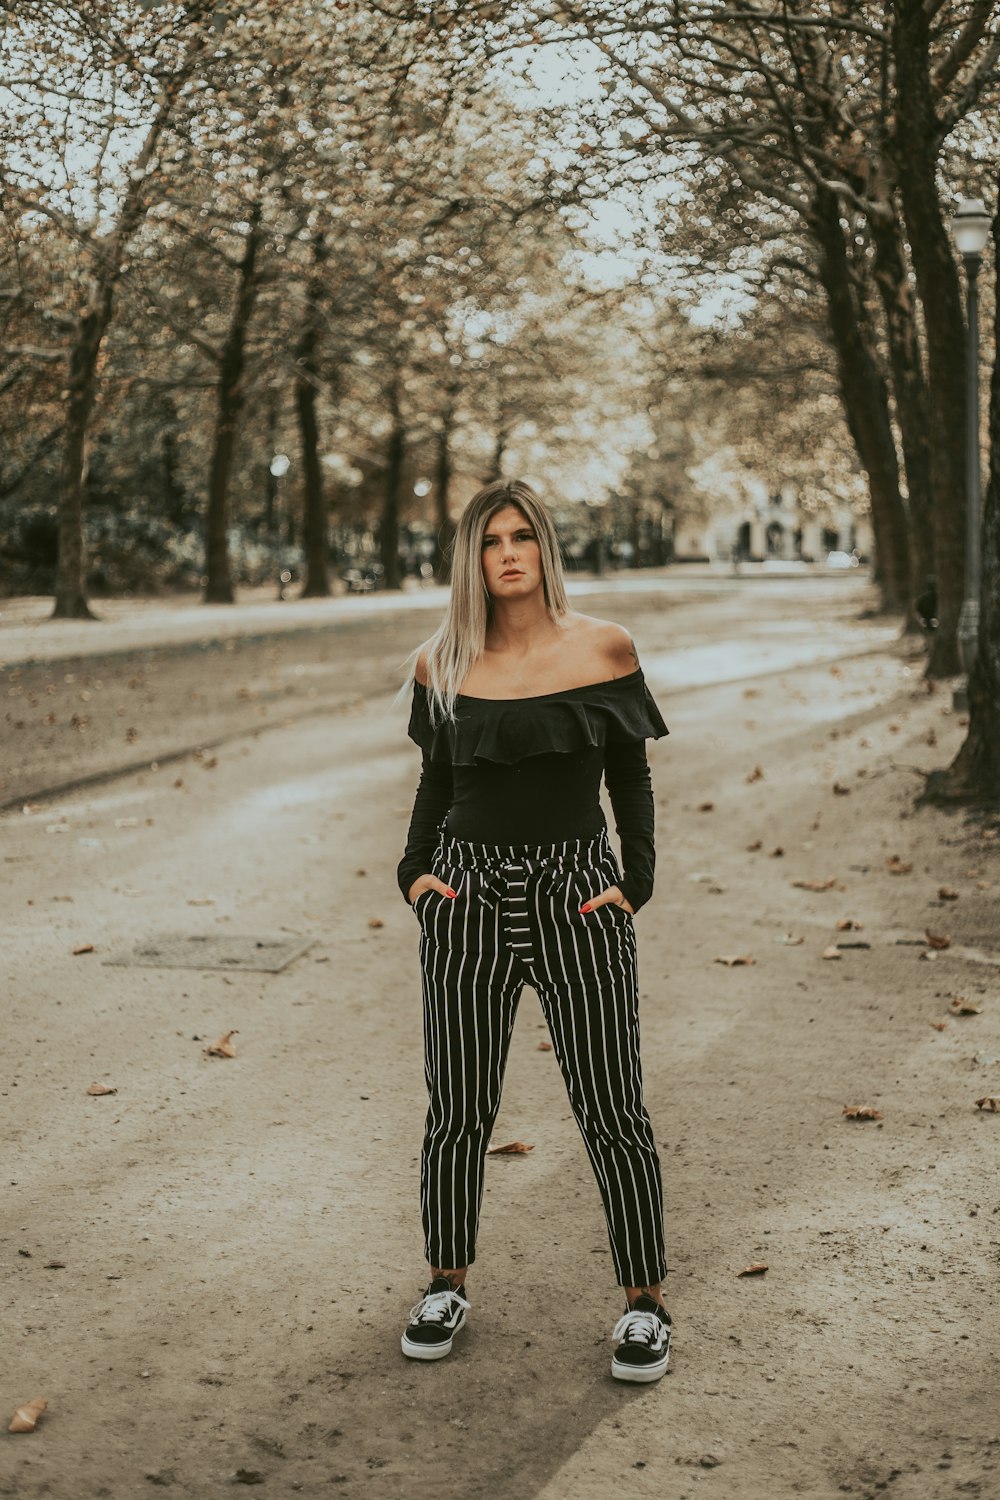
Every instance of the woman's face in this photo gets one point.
(512, 562)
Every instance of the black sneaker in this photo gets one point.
(435, 1320)
(643, 1336)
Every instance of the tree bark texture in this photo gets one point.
(974, 775)
(317, 582)
(908, 387)
(445, 531)
(231, 396)
(395, 458)
(916, 149)
(866, 402)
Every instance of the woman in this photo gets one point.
(519, 706)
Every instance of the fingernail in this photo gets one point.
(451, 892)
(585, 908)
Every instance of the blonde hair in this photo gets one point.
(458, 643)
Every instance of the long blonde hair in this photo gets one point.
(459, 641)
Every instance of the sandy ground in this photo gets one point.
(206, 1271)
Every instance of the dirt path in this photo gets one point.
(238, 1239)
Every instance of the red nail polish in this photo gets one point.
(451, 892)
(585, 908)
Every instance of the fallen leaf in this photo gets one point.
(751, 692)
(791, 941)
(928, 954)
(849, 924)
(223, 1047)
(861, 1112)
(757, 844)
(545, 1046)
(988, 1102)
(962, 1007)
(706, 806)
(945, 893)
(26, 1417)
(776, 852)
(210, 764)
(938, 940)
(54, 1265)
(513, 1148)
(101, 1088)
(940, 1025)
(831, 952)
(734, 960)
(839, 790)
(83, 948)
(757, 774)
(201, 901)
(361, 872)
(930, 738)
(757, 1269)
(897, 866)
(375, 922)
(815, 885)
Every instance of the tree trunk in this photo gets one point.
(71, 596)
(219, 583)
(445, 532)
(909, 390)
(866, 402)
(974, 774)
(389, 529)
(317, 584)
(916, 149)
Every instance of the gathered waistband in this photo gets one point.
(570, 854)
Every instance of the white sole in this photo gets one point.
(639, 1374)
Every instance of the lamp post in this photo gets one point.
(970, 227)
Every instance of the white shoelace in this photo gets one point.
(638, 1327)
(435, 1307)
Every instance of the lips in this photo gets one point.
(513, 573)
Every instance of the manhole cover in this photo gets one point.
(213, 950)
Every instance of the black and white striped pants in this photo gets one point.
(516, 920)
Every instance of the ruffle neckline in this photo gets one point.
(507, 730)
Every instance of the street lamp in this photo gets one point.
(970, 227)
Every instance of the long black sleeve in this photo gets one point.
(626, 775)
(430, 806)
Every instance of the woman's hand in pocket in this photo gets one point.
(428, 883)
(612, 896)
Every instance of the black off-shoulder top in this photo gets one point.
(528, 771)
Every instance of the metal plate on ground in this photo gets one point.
(213, 950)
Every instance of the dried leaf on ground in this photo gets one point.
(940, 1025)
(839, 790)
(545, 1046)
(223, 1047)
(939, 940)
(791, 941)
(962, 1007)
(815, 885)
(757, 844)
(25, 1419)
(849, 924)
(897, 866)
(101, 1088)
(861, 1112)
(832, 951)
(757, 774)
(83, 948)
(513, 1148)
(375, 922)
(776, 852)
(734, 960)
(706, 806)
(945, 893)
(757, 1269)
(988, 1102)
(201, 901)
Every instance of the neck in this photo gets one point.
(517, 625)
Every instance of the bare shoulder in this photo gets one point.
(606, 642)
(420, 671)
